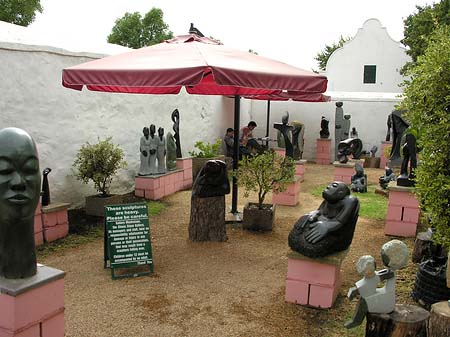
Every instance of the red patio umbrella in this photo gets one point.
(203, 66)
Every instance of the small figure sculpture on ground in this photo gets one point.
(377, 300)
(330, 228)
(212, 180)
(45, 200)
(176, 130)
(359, 180)
(144, 149)
(350, 146)
(385, 179)
(399, 125)
(324, 131)
(20, 184)
(409, 160)
(153, 140)
(171, 156)
(161, 151)
(286, 130)
(354, 133)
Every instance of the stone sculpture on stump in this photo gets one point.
(20, 182)
(45, 200)
(359, 180)
(176, 130)
(409, 161)
(324, 130)
(330, 228)
(207, 221)
(286, 131)
(161, 151)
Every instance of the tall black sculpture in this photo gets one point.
(324, 130)
(45, 201)
(330, 228)
(409, 160)
(20, 183)
(176, 130)
(285, 129)
(398, 125)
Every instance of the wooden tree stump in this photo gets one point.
(439, 322)
(405, 321)
(207, 221)
(422, 246)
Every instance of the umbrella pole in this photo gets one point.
(268, 122)
(237, 117)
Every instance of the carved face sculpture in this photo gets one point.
(335, 191)
(152, 129)
(20, 177)
(161, 132)
(146, 132)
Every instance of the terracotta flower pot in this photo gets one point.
(258, 219)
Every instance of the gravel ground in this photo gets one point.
(233, 288)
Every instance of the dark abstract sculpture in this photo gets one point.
(342, 127)
(161, 151)
(324, 130)
(409, 160)
(298, 141)
(350, 146)
(171, 156)
(285, 130)
(385, 179)
(20, 183)
(330, 228)
(399, 125)
(359, 180)
(212, 180)
(45, 200)
(176, 130)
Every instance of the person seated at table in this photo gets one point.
(228, 143)
(247, 143)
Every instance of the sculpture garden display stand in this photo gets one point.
(439, 322)
(300, 169)
(383, 159)
(344, 172)
(155, 187)
(50, 222)
(405, 320)
(313, 282)
(323, 147)
(207, 221)
(402, 213)
(33, 306)
(290, 196)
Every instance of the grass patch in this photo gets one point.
(155, 207)
(372, 206)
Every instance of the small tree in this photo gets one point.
(99, 163)
(323, 56)
(19, 12)
(427, 105)
(207, 150)
(265, 172)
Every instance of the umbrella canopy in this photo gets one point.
(203, 66)
(200, 64)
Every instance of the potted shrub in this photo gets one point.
(263, 173)
(99, 163)
(204, 152)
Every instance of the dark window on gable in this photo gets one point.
(370, 74)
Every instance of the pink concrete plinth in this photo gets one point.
(343, 172)
(383, 159)
(313, 282)
(300, 169)
(55, 222)
(402, 214)
(323, 147)
(33, 306)
(156, 187)
(184, 163)
(280, 151)
(290, 196)
(56, 232)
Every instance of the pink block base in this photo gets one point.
(323, 151)
(403, 213)
(383, 159)
(290, 196)
(56, 232)
(344, 174)
(400, 228)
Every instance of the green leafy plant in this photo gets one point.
(263, 173)
(427, 105)
(99, 163)
(207, 150)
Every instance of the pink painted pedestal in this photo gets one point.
(403, 212)
(33, 307)
(344, 172)
(383, 159)
(288, 197)
(300, 169)
(55, 221)
(323, 147)
(158, 186)
(313, 282)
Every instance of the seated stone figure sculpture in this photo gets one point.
(359, 180)
(385, 179)
(212, 180)
(330, 228)
(350, 146)
(20, 182)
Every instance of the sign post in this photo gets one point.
(127, 239)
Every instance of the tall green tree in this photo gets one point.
(419, 26)
(323, 56)
(427, 105)
(134, 31)
(19, 12)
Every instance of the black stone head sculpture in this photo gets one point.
(324, 129)
(330, 228)
(20, 182)
(212, 180)
(45, 200)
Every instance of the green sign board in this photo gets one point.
(127, 238)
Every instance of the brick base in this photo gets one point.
(403, 212)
